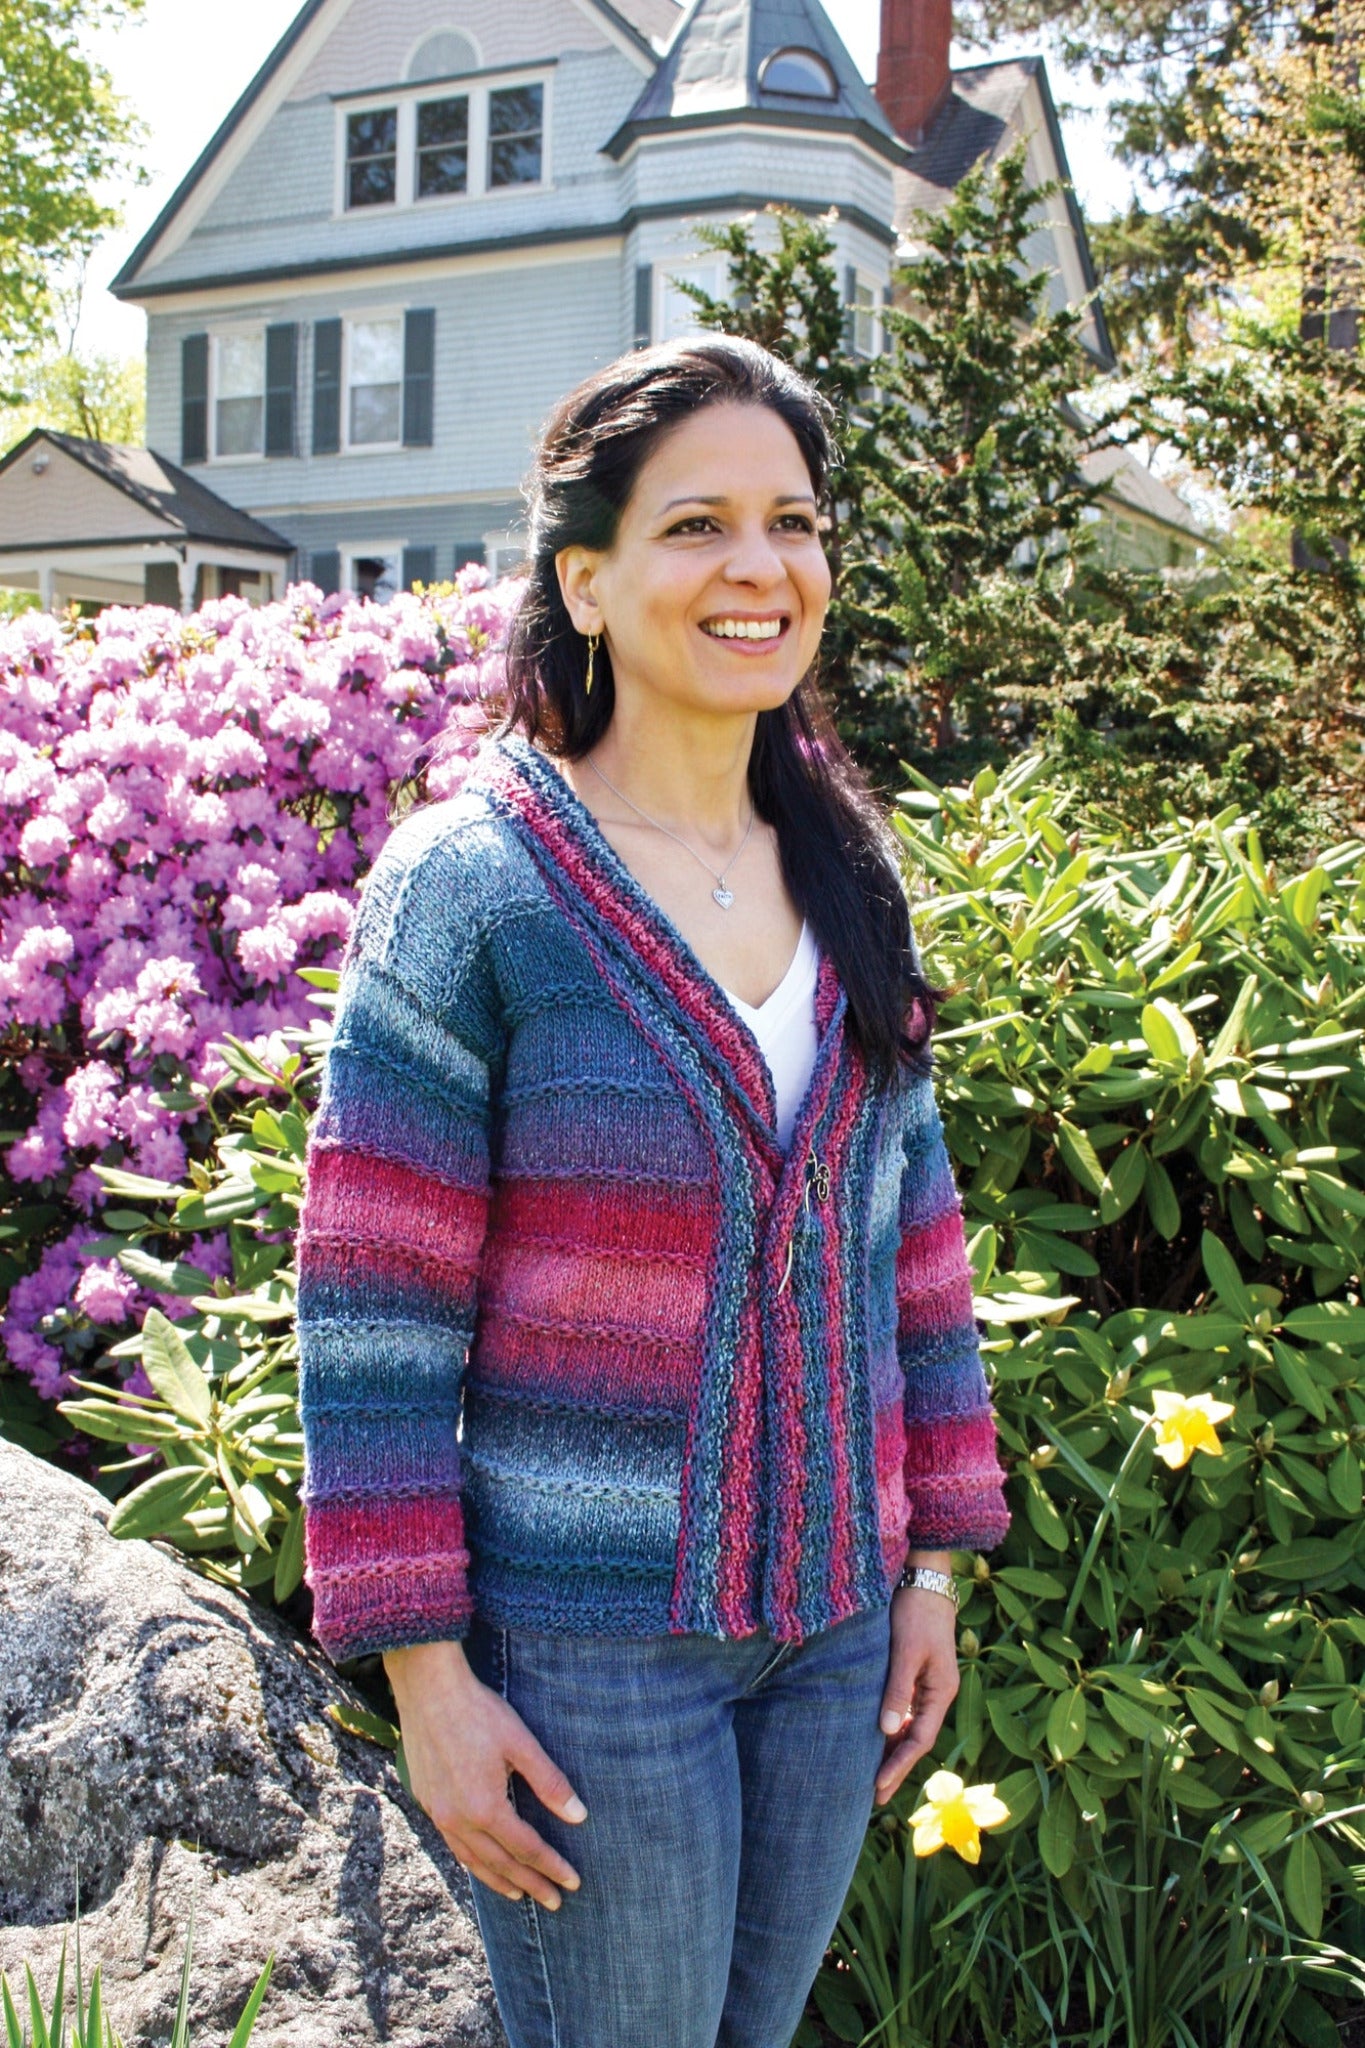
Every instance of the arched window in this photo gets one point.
(443, 56)
(799, 72)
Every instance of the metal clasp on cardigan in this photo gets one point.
(817, 1177)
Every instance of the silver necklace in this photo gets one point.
(723, 895)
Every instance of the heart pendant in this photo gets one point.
(725, 897)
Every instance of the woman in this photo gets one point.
(641, 1395)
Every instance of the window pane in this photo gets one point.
(514, 125)
(375, 576)
(375, 375)
(442, 147)
(376, 413)
(371, 158)
(239, 414)
(372, 134)
(376, 351)
(239, 426)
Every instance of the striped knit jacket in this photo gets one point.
(581, 1347)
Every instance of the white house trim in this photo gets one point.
(406, 99)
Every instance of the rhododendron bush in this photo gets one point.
(189, 807)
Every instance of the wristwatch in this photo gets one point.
(931, 1581)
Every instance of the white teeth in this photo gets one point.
(744, 629)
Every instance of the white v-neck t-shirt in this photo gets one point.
(784, 1026)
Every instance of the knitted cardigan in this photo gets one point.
(581, 1347)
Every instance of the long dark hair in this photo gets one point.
(835, 847)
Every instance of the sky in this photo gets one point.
(182, 67)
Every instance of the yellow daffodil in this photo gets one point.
(1185, 1423)
(954, 1813)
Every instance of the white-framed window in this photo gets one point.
(864, 325)
(374, 569)
(237, 393)
(675, 314)
(372, 381)
(505, 554)
(422, 145)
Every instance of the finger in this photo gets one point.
(512, 1871)
(520, 1839)
(478, 1869)
(545, 1778)
(898, 1700)
(926, 1685)
(896, 1768)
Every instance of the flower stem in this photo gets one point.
(1106, 1511)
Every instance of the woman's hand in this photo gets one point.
(921, 1681)
(462, 1742)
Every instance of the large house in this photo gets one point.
(426, 219)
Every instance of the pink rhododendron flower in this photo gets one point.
(199, 800)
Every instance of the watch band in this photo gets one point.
(931, 1581)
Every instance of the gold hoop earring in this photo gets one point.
(593, 639)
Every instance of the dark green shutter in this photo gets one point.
(281, 382)
(194, 398)
(324, 569)
(326, 387)
(467, 551)
(419, 378)
(644, 304)
(419, 566)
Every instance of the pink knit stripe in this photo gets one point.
(399, 1204)
(602, 1214)
(349, 1536)
(557, 1285)
(959, 1449)
(630, 1372)
(836, 1157)
(367, 1266)
(740, 1482)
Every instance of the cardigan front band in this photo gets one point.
(581, 1347)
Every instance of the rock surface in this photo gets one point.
(173, 1741)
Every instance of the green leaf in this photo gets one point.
(1308, 2022)
(1045, 1519)
(1044, 1585)
(160, 1502)
(1123, 1183)
(1224, 1277)
(1066, 1724)
(1080, 1156)
(1303, 1884)
(1163, 1040)
(13, 2032)
(370, 1727)
(1344, 1479)
(1328, 1322)
(1053, 1674)
(1021, 1794)
(1298, 1380)
(1162, 1205)
(164, 1276)
(1211, 1714)
(289, 1563)
(1266, 1833)
(1057, 1832)
(171, 1370)
(180, 2033)
(241, 2033)
(1230, 1036)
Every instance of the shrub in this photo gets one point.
(1150, 1075)
(189, 804)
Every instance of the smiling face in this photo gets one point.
(714, 591)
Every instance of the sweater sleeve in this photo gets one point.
(389, 1242)
(954, 1483)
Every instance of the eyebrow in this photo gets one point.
(792, 498)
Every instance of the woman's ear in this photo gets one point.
(576, 568)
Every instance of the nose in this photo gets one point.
(754, 560)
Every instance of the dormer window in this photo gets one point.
(801, 73)
(372, 158)
(419, 145)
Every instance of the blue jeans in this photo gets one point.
(728, 1787)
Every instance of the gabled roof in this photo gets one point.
(974, 124)
(161, 489)
(616, 18)
(710, 73)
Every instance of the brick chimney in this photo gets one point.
(912, 63)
